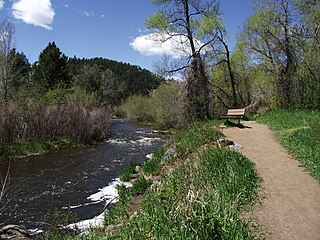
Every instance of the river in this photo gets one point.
(41, 186)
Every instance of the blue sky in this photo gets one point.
(97, 28)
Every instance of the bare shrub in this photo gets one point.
(40, 122)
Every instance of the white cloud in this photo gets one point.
(88, 14)
(155, 45)
(1, 4)
(36, 12)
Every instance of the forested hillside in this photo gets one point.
(113, 81)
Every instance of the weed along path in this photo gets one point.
(290, 207)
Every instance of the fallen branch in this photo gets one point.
(4, 183)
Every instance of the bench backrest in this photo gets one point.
(236, 112)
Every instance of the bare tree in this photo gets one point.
(7, 31)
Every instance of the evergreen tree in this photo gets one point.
(52, 68)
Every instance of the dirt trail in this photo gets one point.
(290, 208)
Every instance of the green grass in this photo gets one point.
(299, 132)
(203, 198)
(198, 202)
(153, 166)
(127, 173)
(202, 201)
(35, 147)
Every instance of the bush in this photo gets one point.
(164, 107)
(37, 121)
(139, 109)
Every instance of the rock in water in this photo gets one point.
(14, 232)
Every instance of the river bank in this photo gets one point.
(192, 187)
(63, 181)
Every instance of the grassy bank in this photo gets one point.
(35, 147)
(299, 132)
(197, 193)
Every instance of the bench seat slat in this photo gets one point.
(236, 112)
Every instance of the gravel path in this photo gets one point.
(290, 207)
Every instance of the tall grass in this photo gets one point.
(299, 132)
(198, 202)
(202, 198)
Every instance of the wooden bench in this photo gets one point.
(234, 114)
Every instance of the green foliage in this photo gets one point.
(153, 166)
(158, 21)
(127, 173)
(283, 53)
(299, 132)
(198, 202)
(198, 135)
(112, 81)
(139, 109)
(51, 68)
(165, 107)
(56, 95)
(78, 95)
(140, 186)
(20, 69)
(34, 147)
(169, 105)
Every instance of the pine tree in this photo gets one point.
(52, 68)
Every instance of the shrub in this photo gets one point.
(139, 109)
(37, 121)
(164, 107)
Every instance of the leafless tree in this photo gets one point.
(7, 31)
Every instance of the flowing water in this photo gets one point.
(42, 185)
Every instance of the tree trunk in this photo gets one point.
(197, 81)
(197, 92)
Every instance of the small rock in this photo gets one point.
(149, 156)
(224, 142)
(137, 169)
(236, 146)
(170, 152)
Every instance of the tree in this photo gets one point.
(52, 68)
(20, 69)
(7, 31)
(275, 36)
(191, 22)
